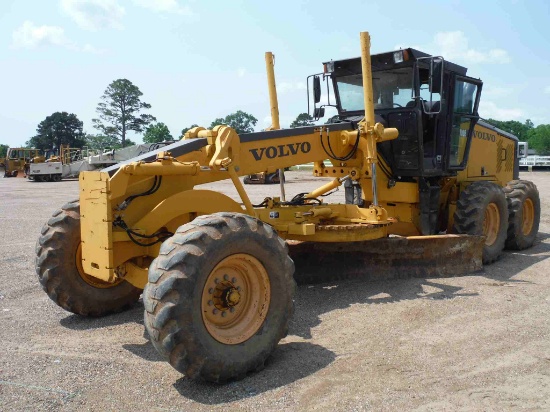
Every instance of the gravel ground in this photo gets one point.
(463, 343)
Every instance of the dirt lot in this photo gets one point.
(478, 342)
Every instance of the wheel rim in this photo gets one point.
(528, 216)
(235, 299)
(90, 280)
(491, 224)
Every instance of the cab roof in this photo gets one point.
(385, 60)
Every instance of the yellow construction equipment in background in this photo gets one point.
(18, 159)
(216, 275)
(49, 168)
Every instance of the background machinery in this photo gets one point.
(263, 178)
(72, 161)
(18, 159)
(216, 276)
(54, 165)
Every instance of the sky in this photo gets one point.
(197, 60)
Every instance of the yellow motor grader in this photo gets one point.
(216, 276)
(18, 160)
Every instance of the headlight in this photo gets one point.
(398, 56)
(328, 67)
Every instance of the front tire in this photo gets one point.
(220, 296)
(482, 210)
(59, 269)
(524, 214)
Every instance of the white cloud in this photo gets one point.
(266, 120)
(454, 46)
(547, 90)
(30, 36)
(88, 48)
(284, 121)
(288, 87)
(94, 14)
(495, 92)
(488, 109)
(164, 6)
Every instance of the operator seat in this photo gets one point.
(433, 106)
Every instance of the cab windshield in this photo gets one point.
(391, 88)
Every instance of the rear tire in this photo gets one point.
(482, 210)
(57, 254)
(188, 311)
(524, 214)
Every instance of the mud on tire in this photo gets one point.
(175, 309)
(524, 214)
(56, 256)
(482, 210)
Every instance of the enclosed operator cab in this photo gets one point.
(432, 103)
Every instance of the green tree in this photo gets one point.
(157, 133)
(303, 119)
(185, 129)
(101, 142)
(120, 111)
(539, 139)
(3, 150)
(240, 121)
(518, 129)
(57, 129)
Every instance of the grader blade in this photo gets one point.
(388, 258)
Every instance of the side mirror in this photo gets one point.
(522, 149)
(319, 112)
(316, 89)
(436, 75)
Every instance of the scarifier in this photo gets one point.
(216, 276)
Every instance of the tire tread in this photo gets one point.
(166, 323)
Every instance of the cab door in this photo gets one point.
(463, 116)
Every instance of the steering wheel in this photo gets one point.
(397, 104)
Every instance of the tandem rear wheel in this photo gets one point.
(482, 210)
(508, 217)
(524, 214)
(220, 296)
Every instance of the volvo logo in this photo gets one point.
(484, 136)
(281, 150)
